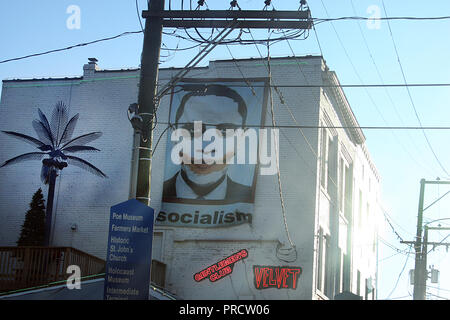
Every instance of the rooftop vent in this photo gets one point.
(90, 68)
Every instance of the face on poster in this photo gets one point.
(211, 155)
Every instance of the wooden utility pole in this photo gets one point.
(419, 279)
(420, 268)
(147, 103)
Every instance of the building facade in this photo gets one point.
(318, 235)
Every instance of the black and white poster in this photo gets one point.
(212, 153)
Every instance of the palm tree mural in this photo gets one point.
(56, 145)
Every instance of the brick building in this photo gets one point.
(330, 186)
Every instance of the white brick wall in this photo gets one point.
(85, 199)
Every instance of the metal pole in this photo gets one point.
(146, 100)
(418, 275)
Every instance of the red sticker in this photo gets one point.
(222, 268)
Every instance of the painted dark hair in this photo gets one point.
(212, 90)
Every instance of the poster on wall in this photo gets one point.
(212, 153)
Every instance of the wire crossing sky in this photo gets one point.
(399, 51)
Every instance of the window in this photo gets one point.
(320, 261)
(360, 209)
(346, 273)
(324, 264)
(324, 157)
(157, 246)
(374, 242)
(341, 184)
(348, 188)
(327, 166)
(358, 282)
(345, 188)
(367, 213)
(328, 262)
(338, 282)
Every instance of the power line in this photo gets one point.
(284, 85)
(387, 93)
(393, 247)
(284, 103)
(391, 256)
(397, 298)
(390, 224)
(272, 112)
(71, 47)
(341, 127)
(398, 251)
(432, 287)
(353, 65)
(139, 17)
(409, 92)
(294, 34)
(429, 293)
(400, 274)
(321, 20)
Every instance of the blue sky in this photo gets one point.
(402, 157)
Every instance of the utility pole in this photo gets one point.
(157, 18)
(421, 247)
(147, 102)
(419, 278)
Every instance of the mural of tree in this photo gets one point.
(33, 228)
(56, 144)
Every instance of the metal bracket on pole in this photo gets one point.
(218, 18)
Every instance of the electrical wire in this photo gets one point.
(395, 254)
(400, 274)
(71, 47)
(139, 17)
(389, 97)
(159, 139)
(279, 126)
(432, 287)
(440, 242)
(390, 224)
(429, 293)
(409, 93)
(293, 116)
(393, 247)
(280, 188)
(238, 85)
(294, 34)
(398, 298)
(393, 222)
(328, 19)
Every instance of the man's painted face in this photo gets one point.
(221, 116)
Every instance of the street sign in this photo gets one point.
(128, 261)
